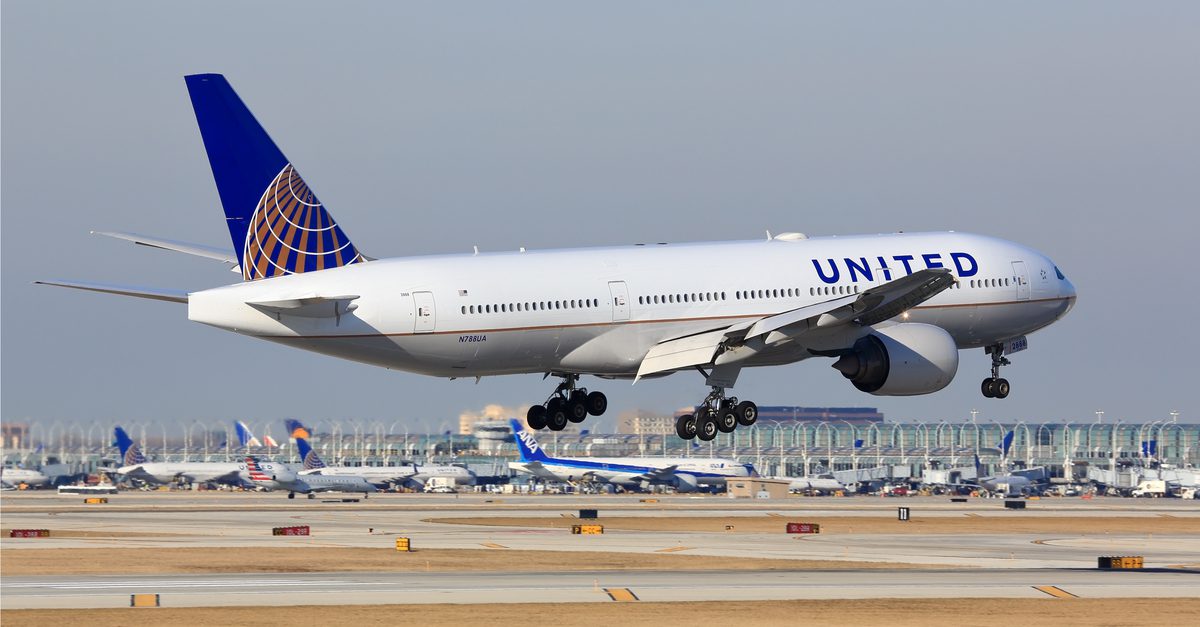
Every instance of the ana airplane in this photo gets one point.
(685, 473)
(276, 476)
(890, 311)
(134, 465)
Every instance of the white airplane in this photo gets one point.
(134, 465)
(685, 473)
(12, 477)
(276, 476)
(408, 474)
(814, 484)
(890, 311)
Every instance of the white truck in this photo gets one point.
(1151, 488)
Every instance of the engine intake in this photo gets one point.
(901, 360)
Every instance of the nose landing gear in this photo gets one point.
(567, 404)
(995, 386)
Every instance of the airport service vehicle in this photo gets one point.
(276, 476)
(1150, 488)
(685, 473)
(890, 312)
(13, 477)
(135, 466)
(413, 475)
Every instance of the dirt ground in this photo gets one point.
(992, 523)
(891, 612)
(298, 559)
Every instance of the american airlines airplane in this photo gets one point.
(889, 311)
(406, 474)
(276, 476)
(685, 473)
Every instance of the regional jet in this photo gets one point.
(685, 473)
(276, 476)
(414, 475)
(890, 312)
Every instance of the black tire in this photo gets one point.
(987, 387)
(706, 428)
(311, 496)
(291, 495)
(747, 413)
(576, 411)
(685, 426)
(556, 415)
(536, 417)
(577, 396)
(1002, 388)
(597, 403)
(727, 421)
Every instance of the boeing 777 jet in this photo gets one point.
(890, 312)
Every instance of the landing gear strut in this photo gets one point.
(567, 404)
(716, 413)
(994, 386)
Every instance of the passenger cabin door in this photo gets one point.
(423, 306)
(620, 300)
(1021, 277)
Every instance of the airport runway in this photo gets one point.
(999, 565)
(499, 587)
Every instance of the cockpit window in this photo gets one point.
(1060, 274)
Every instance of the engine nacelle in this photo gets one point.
(686, 483)
(901, 360)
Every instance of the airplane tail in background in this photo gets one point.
(277, 224)
(255, 471)
(978, 468)
(527, 445)
(131, 453)
(296, 430)
(245, 436)
(308, 455)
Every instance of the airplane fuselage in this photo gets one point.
(599, 310)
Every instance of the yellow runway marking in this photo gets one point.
(492, 545)
(673, 549)
(1055, 592)
(621, 594)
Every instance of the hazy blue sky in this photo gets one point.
(1071, 127)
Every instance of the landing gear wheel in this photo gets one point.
(1002, 388)
(597, 403)
(577, 396)
(706, 427)
(556, 415)
(311, 496)
(576, 410)
(988, 387)
(727, 420)
(685, 426)
(291, 495)
(536, 417)
(747, 413)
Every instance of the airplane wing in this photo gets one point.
(174, 296)
(719, 346)
(660, 474)
(308, 307)
(187, 248)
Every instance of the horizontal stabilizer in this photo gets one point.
(199, 250)
(174, 296)
(308, 307)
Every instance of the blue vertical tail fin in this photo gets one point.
(527, 445)
(245, 436)
(277, 224)
(131, 453)
(308, 455)
(296, 429)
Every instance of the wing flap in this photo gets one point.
(691, 350)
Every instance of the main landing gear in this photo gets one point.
(994, 386)
(567, 404)
(716, 414)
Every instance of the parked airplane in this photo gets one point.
(409, 474)
(276, 476)
(1006, 484)
(820, 485)
(685, 473)
(890, 311)
(134, 465)
(12, 477)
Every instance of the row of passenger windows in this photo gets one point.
(663, 299)
(542, 305)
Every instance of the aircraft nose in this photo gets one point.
(1066, 290)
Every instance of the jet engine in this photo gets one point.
(686, 483)
(905, 359)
